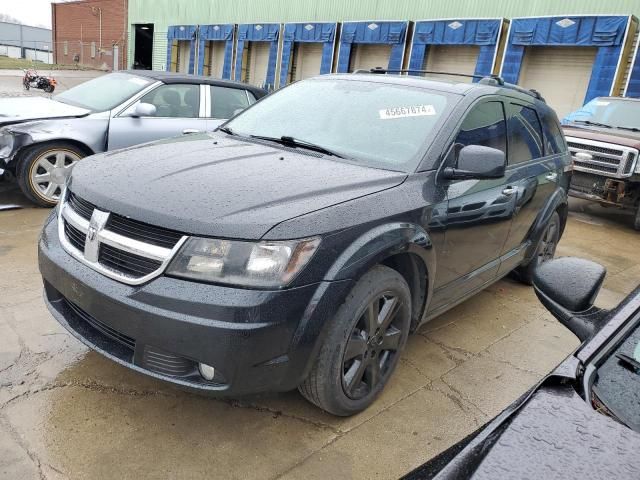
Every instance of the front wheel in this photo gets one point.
(43, 170)
(545, 250)
(49, 88)
(363, 345)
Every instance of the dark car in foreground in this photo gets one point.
(299, 244)
(604, 140)
(41, 139)
(581, 421)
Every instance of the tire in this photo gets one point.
(344, 386)
(52, 159)
(545, 250)
(49, 88)
(636, 222)
(26, 85)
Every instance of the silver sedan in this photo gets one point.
(41, 139)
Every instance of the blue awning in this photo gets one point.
(324, 33)
(391, 33)
(217, 33)
(483, 32)
(605, 32)
(259, 32)
(182, 32)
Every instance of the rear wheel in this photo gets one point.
(636, 223)
(363, 345)
(43, 170)
(545, 250)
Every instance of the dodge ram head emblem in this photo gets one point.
(92, 242)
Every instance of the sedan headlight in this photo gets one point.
(249, 264)
(6, 144)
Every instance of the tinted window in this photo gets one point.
(175, 101)
(227, 102)
(484, 125)
(525, 135)
(553, 138)
(371, 123)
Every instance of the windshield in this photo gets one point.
(617, 383)
(105, 92)
(609, 112)
(375, 124)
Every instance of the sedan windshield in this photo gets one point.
(607, 112)
(105, 92)
(376, 124)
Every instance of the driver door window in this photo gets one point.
(177, 112)
(175, 101)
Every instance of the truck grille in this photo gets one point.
(601, 158)
(121, 248)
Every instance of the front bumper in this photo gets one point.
(256, 340)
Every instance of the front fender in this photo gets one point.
(369, 249)
(557, 202)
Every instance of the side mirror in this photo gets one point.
(144, 110)
(567, 287)
(477, 162)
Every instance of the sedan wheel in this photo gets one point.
(549, 242)
(43, 172)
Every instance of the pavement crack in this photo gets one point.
(279, 413)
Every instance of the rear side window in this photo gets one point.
(553, 139)
(227, 102)
(525, 134)
(484, 125)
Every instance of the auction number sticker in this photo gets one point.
(410, 111)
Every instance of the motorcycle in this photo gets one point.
(32, 79)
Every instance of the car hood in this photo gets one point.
(608, 135)
(24, 109)
(216, 185)
(555, 435)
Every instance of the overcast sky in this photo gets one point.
(30, 12)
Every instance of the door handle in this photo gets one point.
(509, 191)
(551, 176)
(190, 130)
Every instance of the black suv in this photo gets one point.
(299, 244)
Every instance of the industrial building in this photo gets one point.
(90, 33)
(570, 51)
(24, 41)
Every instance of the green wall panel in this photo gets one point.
(163, 13)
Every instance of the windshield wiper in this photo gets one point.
(294, 142)
(594, 124)
(631, 129)
(226, 130)
(628, 361)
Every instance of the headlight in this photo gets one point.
(250, 264)
(6, 144)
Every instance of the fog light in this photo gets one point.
(207, 371)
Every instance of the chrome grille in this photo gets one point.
(120, 248)
(602, 158)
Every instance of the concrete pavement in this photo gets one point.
(66, 412)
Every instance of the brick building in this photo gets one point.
(90, 32)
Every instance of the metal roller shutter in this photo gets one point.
(369, 55)
(215, 60)
(305, 61)
(560, 74)
(452, 58)
(184, 49)
(257, 63)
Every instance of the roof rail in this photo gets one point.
(491, 80)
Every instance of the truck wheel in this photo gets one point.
(636, 223)
(363, 346)
(43, 170)
(545, 250)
